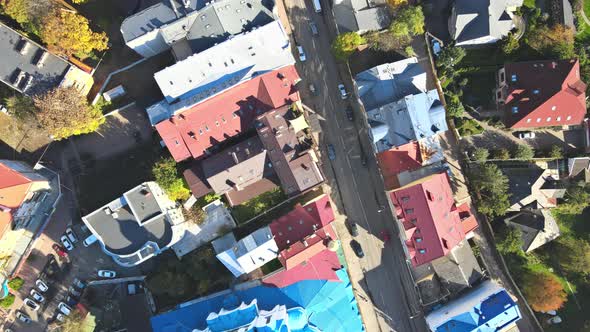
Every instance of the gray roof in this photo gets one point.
(537, 226)
(521, 180)
(579, 168)
(390, 82)
(376, 18)
(459, 269)
(44, 77)
(142, 202)
(488, 19)
(412, 118)
(361, 15)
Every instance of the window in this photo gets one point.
(553, 108)
(445, 243)
(223, 119)
(200, 131)
(217, 123)
(528, 120)
(206, 128)
(548, 118)
(430, 196)
(502, 77)
(513, 78)
(234, 115)
(514, 109)
(405, 198)
(409, 211)
(538, 119)
(558, 118)
(413, 220)
(418, 239)
(422, 251)
(569, 117)
(536, 91)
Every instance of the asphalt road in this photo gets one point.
(358, 189)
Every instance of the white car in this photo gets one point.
(106, 274)
(41, 285)
(31, 304)
(343, 93)
(60, 317)
(71, 235)
(64, 308)
(302, 56)
(90, 240)
(37, 296)
(526, 134)
(66, 243)
(23, 317)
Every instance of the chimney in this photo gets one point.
(235, 157)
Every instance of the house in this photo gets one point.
(579, 169)
(412, 118)
(194, 132)
(308, 305)
(289, 149)
(191, 26)
(541, 94)
(361, 16)
(29, 68)
(431, 221)
(390, 82)
(478, 22)
(28, 197)
(138, 225)
(248, 254)
(488, 307)
(533, 187)
(536, 225)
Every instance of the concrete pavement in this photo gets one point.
(385, 291)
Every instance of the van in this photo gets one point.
(90, 240)
(317, 6)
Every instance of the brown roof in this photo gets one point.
(196, 180)
(237, 197)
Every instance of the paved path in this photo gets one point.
(585, 17)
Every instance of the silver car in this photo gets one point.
(343, 93)
(66, 243)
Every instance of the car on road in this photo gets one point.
(313, 89)
(31, 304)
(107, 273)
(349, 113)
(358, 250)
(72, 290)
(37, 296)
(302, 56)
(71, 235)
(64, 308)
(23, 317)
(331, 152)
(79, 283)
(353, 228)
(41, 285)
(66, 243)
(525, 134)
(90, 240)
(343, 93)
(314, 28)
(61, 252)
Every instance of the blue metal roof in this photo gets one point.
(329, 306)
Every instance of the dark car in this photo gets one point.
(358, 250)
(349, 113)
(352, 228)
(59, 250)
(331, 152)
(363, 159)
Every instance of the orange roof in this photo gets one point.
(407, 157)
(13, 187)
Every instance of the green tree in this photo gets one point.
(450, 56)
(346, 44)
(7, 301)
(20, 106)
(167, 176)
(510, 241)
(573, 254)
(481, 154)
(17, 10)
(399, 29)
(556, 41)
(577, 198)
(195, 214)
(16, 283)
(75, 322)
(492, 189)
(413, 17)
(556, 152)
(524, 151)
(502, 154)
(509, 44)
(455, 108)
(64, 112)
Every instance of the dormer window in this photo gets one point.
(418, 239)
(422, 251)
(409, 211)
(514, 109)
(536, 91)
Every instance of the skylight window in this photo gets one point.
(514, 109)
(422, 251)
(513, 78)
(408, 211)
(536, 91)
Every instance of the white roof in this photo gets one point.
(220, 67)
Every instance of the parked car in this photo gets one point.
(525, 134)
(363, 159)
(23, 317)
(31, 304)
(66, 243)
(90, 240)
(352, 228)
(79, 283)
(302, 56)
(331, 152)
(107, 273)
(74, 291)
(436, 48)
(313, 89)
(349, 113)
(61, 252)
(314, 28)
(71, 235)
(358, 250)
(60, 317)
(343, 93)
(64, 308)
(37, 296)
(41, 285)
(71, 301)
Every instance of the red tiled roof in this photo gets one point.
(307, 247)
(427, 210)
(322, 266)
(14, 188)
(301, 222)
(544, 93)
(191, 132)
(402, 158)
(468, 220)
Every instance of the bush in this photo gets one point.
(510, 241)
(346, 44)
(556, 152)
(501, 154)
(168, 177)
(7, 301)
(524, 151)
(481, 154)
(468, 127)
(16, 283)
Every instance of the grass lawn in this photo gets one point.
(530, 3)
(468, 127)
(587, 7)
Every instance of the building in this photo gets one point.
(194, 132)
(579, 169)
(248, 254)
(309, 305)
(28, 197)
(29, 68)
(191, 26)
(361, 16)
(412, 118)
(138, 225)
(541, 94)
(390, 82)
(290, 150)
(531, 186)
(431, 221)
(477, 22)
(486, 308)
(536, 225)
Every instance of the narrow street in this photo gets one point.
(357, 189)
